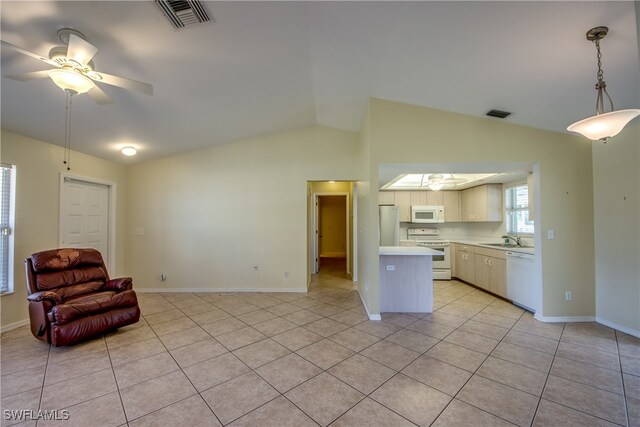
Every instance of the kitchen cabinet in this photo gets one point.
(403, 202)
(434, 198)
(405, 199)
(490, 271)
(483, 203)
(465, 263)
(451, 203)
(419, 198)
(530, 187)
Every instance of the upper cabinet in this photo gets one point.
(451, 203)
(405, 199)
(483, 203)
(530, 190)
(403, 202)
(386, 198)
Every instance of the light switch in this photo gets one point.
(551, 234)
(138, 231)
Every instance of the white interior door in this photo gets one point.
(84, 216)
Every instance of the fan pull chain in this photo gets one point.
(67, 133)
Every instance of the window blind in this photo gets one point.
(517, 210)
(6, 231)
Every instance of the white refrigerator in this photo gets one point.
(389, 226)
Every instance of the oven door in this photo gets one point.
(441, 261)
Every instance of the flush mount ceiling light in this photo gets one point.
(603, 125)
(129, 151)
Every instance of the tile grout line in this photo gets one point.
(624, 389)
(44, 378)
(476, 370)
(113, 371)
(548, 374)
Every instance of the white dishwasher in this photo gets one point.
(522, 283)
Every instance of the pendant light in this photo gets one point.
(603, 125)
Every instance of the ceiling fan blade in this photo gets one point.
(28, 53)
(29, 76)
(122, 82)
(80, 50)
(99, 96)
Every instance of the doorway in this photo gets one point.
(87, 215)
(332, 232)
(331, 225)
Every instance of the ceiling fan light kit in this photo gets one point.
(603, 125)
(71, 80)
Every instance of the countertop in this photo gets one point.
(410, 243)
(408, 250)
(514, 249)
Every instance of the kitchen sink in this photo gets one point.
(505, 245)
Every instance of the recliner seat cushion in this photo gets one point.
(91, 305)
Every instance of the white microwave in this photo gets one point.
(427, 214)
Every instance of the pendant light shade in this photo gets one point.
(603, 125)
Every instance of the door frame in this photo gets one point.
(111, 208)
(316, 218)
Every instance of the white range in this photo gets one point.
(429, 238)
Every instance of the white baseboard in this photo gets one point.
(617, 327)
(220, 290)
(565, 319)
(369, 315)
(14, 325)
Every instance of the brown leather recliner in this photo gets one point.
(71, 297)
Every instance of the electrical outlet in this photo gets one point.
(551, 234)
(568, 295)
(391, 267)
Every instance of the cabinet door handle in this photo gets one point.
(490, 262)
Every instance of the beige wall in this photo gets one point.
(210, 216)
(38, 167)
(402, 133)
(616, 182)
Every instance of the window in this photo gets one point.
(517, 210)
(7, 218)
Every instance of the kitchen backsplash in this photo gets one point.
(478, 231)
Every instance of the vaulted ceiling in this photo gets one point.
(263, 67)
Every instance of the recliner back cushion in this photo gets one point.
(65, 267)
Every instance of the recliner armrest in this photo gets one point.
(119, 285)
(45, 295)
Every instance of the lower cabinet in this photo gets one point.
(485, 268)
(465, 263)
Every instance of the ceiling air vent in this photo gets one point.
(499, 114)
(182, 13)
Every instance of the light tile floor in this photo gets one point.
(289, 359)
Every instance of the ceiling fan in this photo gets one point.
(74, 70)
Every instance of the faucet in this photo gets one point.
(516, 239)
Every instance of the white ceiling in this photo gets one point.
(263, 67)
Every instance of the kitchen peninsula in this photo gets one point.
(406, 279)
